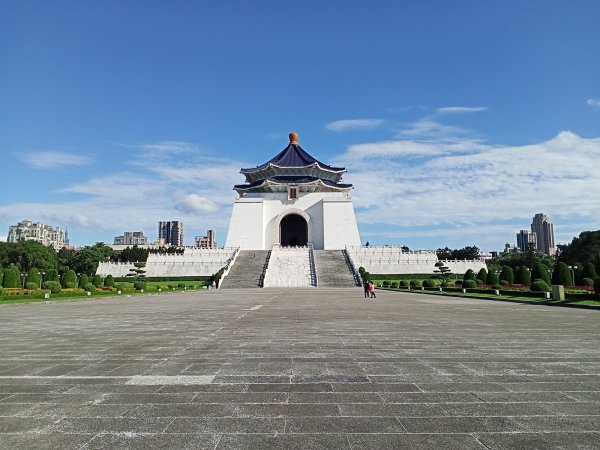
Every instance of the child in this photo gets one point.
(372, 289)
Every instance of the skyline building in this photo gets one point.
(207, 241)
(543, 228)
(131, 238)
(526, 239)
(171, 233)
(40, 232)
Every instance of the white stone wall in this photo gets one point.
(289, 267)
(255, 220)
(392, 260)
(192, 263)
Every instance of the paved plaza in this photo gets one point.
(303, 368)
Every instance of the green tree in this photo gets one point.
(97, 281)
(70, 279)
(443, 272)
(540, 272)
(562, 274)
(523, 276)
(492, 278)
(84, 280)
(1, 276)
(507, 274)
(34, 277)
(86, 260)
(482, 275)
(52, 275)
(469, 275)
(12, 277)
(589, 271)
(585, 248)
(109, 281)
(133, 254)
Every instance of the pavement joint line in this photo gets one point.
(254, 308)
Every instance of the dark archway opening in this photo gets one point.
(293, 230)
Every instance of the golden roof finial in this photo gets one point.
(293, 138)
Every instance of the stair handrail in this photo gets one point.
(314, 280)
(228, 265)
(352, 266)
(263, 275)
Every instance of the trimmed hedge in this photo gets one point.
(128, 280)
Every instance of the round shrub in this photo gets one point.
(31, 286)
(495, 286)
(428, 283)
(56, 288)
(479, 282)
(97, 281)
(170, 286)
(404, 283)
(394, 285)
(587, 282)
(415, 283)
(90, 287)
(70, 279)
(469, 284)
(70, 285)
(504, 283)
(181, 285)
(139, 285)
(109, 281)
(458, 283)
(84, 281)
(540, 286)
(387, 283)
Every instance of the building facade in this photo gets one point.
(526, 239)
(207, 241)
(171, 233)
(40, 232)
(131, 238)
(293, 200)
(543, 228)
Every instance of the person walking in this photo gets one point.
(372, 289)
(366, 286)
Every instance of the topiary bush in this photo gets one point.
(469, 284)
(458, 282)
(181, 285)
(428, 283)
(504, 283)
(70, 285)
(70, 279)
(394, 285)
(539, 286)
(479, 282)
(97, 281)
(404, 283)
(415, 283)
(90, 287)
(139, 285)
(56, 288)
(31, 286)
(597, 286)
(109, 281)
(84, 281)
(588, 282)
(387, 283)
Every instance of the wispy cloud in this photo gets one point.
(354, 124)
(52, 159)
(194, 204)
(170, 147)
(593, 103)
(460, 109)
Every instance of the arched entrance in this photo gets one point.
(293, 230)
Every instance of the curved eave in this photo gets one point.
(276, 186)
(308, 166)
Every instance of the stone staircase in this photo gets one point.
(290, 267)
(247, 270)
(332, 269)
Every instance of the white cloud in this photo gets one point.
(3, 238)
(593, 103)
(54, 158)
(194, 204)
(354, 124)
(170, 147)
(460, 109)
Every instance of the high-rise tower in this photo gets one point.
(543, 228)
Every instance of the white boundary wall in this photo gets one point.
(392, 260)
(193, 262)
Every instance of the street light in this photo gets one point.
(573, 269)
(41, 278)
(23, 277)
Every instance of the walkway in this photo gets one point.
(304, 368)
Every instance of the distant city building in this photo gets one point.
(37, 231)
(543, 228)
(526, 239)
(131, 238)
(511, 248)
(207, 241)
(171, 232)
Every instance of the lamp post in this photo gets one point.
(23, 277)
(573, 269)
(41, 278)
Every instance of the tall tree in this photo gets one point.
(507, 274)
(540, 272)
(562, 274)
(482, 275)
(12, 277)
(523, 276)
(589, 271)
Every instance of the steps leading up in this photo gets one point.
(332, 269)
(247, 270)
(289, 267)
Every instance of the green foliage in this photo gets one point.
(89, 287)
(86, 259)
(109, 281)
(12, 277)
(540, 285)
(97, 281)
(1, 276)
(469, 284)
(491, 278)
(507, 274)
(70, 279)
(395, 285)
(133, 254)
(181, 285)
(1, 290)
(523, 276)
(539, 271)
(27, 254)
(404, 283)
(415, 283)
(52, 275)
(482, 275)
(443, 272)
(597, 286)
(504, 283)
(469, 275)
(31, 286)
(585, 248)
(139, 285)
(33, 277)
(83, 280)
(562, 274)
(588, 282)
(589, 271)
(470, 253)
(481, 282)
(527, 259)
(55, 288)
(428, 283)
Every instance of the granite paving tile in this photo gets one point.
(227, 425)
(343, 425)
(134, 441)
(414, 441)
(459, 424)
(283, 441)
(541, 441)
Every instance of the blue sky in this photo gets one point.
(457, 121)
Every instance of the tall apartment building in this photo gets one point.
(207, 241)
(37, 231)
(543, 228)
(171, 232)
(526, 239)
(131, 238)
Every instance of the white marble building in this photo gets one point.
(293, 199)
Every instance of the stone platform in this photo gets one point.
(275, 368)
